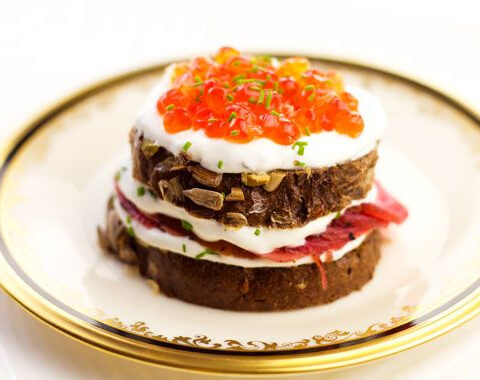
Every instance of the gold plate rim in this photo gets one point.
(225, 362)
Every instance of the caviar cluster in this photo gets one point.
(241, 98)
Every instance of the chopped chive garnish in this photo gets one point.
(236, 63)
(307, 131)
(220, 164)
(234, 133)
(186, 226)
(338, 215)
(212, 120)
(269, 100)
(261, 97)
(129, 219)
(310, 87)
(261, 82)
(223, 194)
(184, 248)
(249, 80)
(187, 146)
(197, 78)
(298, 163)
(301, 147)
(201, 91)
(197, 84)
(118, 175)
(131, 231)
(239, 77)
(255, 88)
(273, 112)
(275, 86)
(259, 68)
(252, 100)
(169, 107)
(226, 85)
(229, 97)
(311, 97)
(140, 191)
(207, 251)
(232, 116)
(257, 232)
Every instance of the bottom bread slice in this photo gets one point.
(233, 287)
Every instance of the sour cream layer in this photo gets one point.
(185, 246)
(324, 149)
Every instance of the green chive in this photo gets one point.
(229, 97)
(131, 231)
(257, 232)
(250, 80)
(298, 163)
(301, 147)
(207, 251)
(261, 82)
(234, 133)
(186, 226)
(338, 215)
(255, 88)
(197, 84)
(275, 86)
(197, 78)
(226, 85)
(252, 100)
(220, 164)
(212, 120)
(232, 116)
(261, 97)
(129, 219)
(269, 100)
(236, 63)
(184, 248)
(273, 112)
(311, 97)
(239, 77)
(187, 146)
(118, 175)
(307, 131)
(140, 191)
(170, 107)
(310, 87)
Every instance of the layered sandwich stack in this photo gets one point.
(251, 185)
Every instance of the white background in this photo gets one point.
(49, 48)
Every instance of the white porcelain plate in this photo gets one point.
(55, 180)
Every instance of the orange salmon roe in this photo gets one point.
(241, 98)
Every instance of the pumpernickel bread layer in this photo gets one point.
(290, 198)
(232, 287)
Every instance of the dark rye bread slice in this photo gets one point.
(301, 196)
(232, 287)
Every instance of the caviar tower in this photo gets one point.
(251, 185)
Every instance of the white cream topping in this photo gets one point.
(323, 149)
(188, 247)
(210, 230)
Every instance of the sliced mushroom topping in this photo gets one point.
(255, 179)
(236, 194)
(149, 148)
(205, 176)
(206, 198)
(276, 179)
(235, 219)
